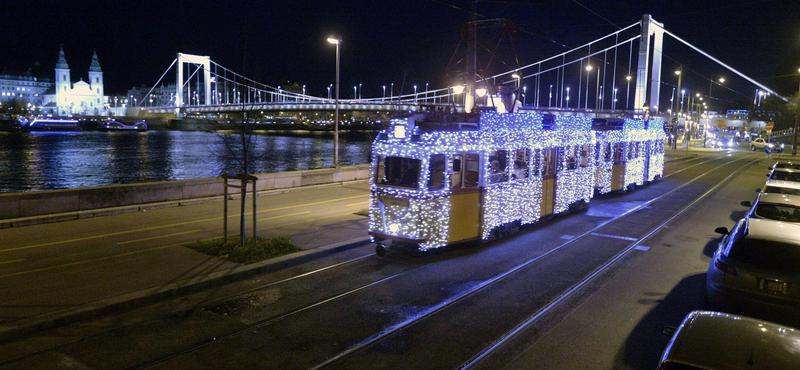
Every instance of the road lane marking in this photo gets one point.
(11, 261)
(164, 226)
(158, 237)
(615, 237)
(314, 203)
(642, 248)
(358, 204)
(282, 216)
(310, 219)
(91, 260)
(567, 237)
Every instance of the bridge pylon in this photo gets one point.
(201, 61)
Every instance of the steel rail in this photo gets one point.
(544, 310)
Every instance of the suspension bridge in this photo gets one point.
(619, 74)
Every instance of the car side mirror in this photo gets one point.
(746, 203)
(721, 230)
(669, 330)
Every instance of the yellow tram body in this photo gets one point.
(436, 182)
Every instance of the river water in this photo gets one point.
(35, 161)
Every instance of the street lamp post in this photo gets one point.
(336, 42)
(550, 98)
(628, 92)
(588, 71)
(355, 92)
(711, 83)
(567, 97)
(415, 94)
(384, 93)
(426, 93)
(524, 94)
(391, 92)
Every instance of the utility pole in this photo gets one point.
(472, 34)
(796, 120)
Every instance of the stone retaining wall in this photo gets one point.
(27, 204)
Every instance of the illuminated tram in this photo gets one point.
(445, 179)
(628, 152)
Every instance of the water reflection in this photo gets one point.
(61, 160)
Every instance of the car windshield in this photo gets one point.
(788, 165)
(786, 176)
(397, 172)
(779, 212)
(781, 190)
(766, 254)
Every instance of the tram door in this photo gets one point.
(646, 146)
(465, 201)
(618, 166)
(549, 161)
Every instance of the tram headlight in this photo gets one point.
(394, 228)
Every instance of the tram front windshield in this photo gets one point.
(397, 172)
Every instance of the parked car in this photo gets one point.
(721, 341)
(781, 187)
(756, 270)
(786, 164)
(775, 206)
(785, 174)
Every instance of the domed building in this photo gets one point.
(86, 98)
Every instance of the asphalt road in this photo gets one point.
(552, 284)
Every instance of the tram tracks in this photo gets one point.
(374, 340)
(332, 298)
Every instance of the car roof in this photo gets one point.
(790, 163)
(791, 170)
(784, 184)
(786, 232)
(777, 198)
(718, 340)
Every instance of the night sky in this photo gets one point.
(405, 42)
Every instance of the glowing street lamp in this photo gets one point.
(567, 97)
(415, 94)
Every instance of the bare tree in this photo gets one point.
(240, 151)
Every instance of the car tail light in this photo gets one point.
(725, 267)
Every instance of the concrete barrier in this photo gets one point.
(28, 204)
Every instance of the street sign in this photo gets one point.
(768, 149)
(721, 124)
(769, 126)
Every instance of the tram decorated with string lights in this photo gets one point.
(440, 179)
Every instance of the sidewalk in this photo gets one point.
(56, 273)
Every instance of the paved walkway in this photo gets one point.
(61, 272)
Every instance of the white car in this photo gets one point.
(781, 187)
(756, 270)
(775, 206)
(786, 164)
(785, 174)
(758, 144)
(721, 341)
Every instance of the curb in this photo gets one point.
(79, 215)
(51, 320)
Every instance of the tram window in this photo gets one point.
(619, 149)
(537, 162)
(471, 170)
(607, 153)
(436, 169)
(549, 164)
(584, 155)
(633, 150)
(397, 171)
(572, 160)
(498, 166)
(455, 176)
(521, 164)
